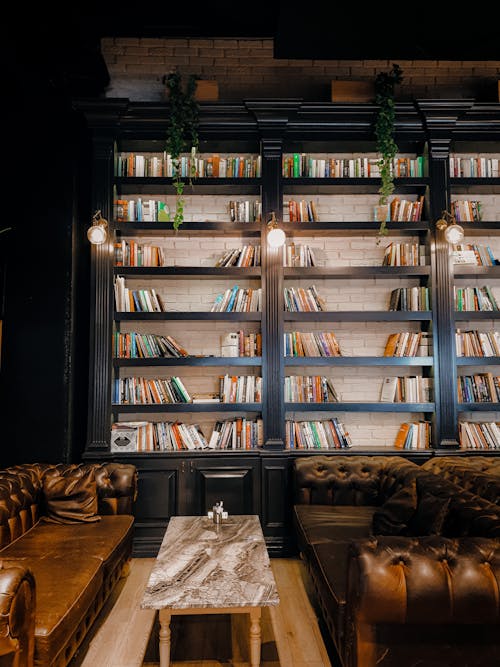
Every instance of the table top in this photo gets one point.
(202, 565)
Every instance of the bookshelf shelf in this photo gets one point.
(188, 271)
(359, 316)
(359, 407)
(477, 315)
(356, 272)
(478, 361)
(160, 317)
(358, 361)
(478, 407)
(186, 407)
(203, 228)
(188, 361)
(341, 228)
(471, 271)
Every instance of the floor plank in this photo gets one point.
(125, 634)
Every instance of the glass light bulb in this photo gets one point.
(454, 233)
(97, 234)
(276, 237)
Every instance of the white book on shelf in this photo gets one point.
(388, 389)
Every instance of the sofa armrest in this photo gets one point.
(431, 580)
(17, 614)
(116, 487)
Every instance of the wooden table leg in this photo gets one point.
(255, 639)
(164, 636)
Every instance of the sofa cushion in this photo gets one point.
(393, 516)
(66, 589)
(322, 523)
(328, 571)
(430, 515)
(70, 495)
(101, 540)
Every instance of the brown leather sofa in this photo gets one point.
(404, 565)
(65, 541)
(477, 474)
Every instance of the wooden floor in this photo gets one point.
(126, 635)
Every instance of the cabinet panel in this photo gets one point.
(276, 504)
(157, 500)
(236, 484)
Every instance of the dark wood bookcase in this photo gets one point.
(258, 480)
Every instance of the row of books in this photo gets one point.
(134, 345)
(145, 391)
(131, 253)
(408, 344)
(406, 210)
(479, 435)
(474, 298)
(236, 433)
(245, 210)
(413, 435)
(410, 298)
(473, 167)
(404, 254)
(240, 389)
(309, 389)
(141, 210)
(466, 210)
(302, 211)
(477, 343)
(406, 389)
(247, 255)
(303, 165)
(317, 434)
(140, 300)
(303, 300)
(298, 255)
(311, 344)
(478, 388)
(240, 344)
(147, 436)
(129, 164)
(238, 300)
(472, 253)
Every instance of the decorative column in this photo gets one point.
(272, 119)
(440, 118)
(101, 303)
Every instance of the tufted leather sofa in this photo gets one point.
(477, 474)
(56, 574)
(420, 597)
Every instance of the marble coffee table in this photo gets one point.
(204, 568)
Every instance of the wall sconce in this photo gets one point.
(276, 237)
(453, 232)
(97, 233)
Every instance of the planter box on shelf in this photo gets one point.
(206, 91)
(353, 91)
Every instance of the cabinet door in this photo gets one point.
(235, 482)
(277, 504)
(157, 500)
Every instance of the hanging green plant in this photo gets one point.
(182, 133)
(387, 147)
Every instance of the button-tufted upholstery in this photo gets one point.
(392, 600)
(55, 577)
(477, 474)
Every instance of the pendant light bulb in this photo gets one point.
(276, 237)
(97, 233)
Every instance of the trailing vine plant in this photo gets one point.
(182, 133)
(385, 83)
